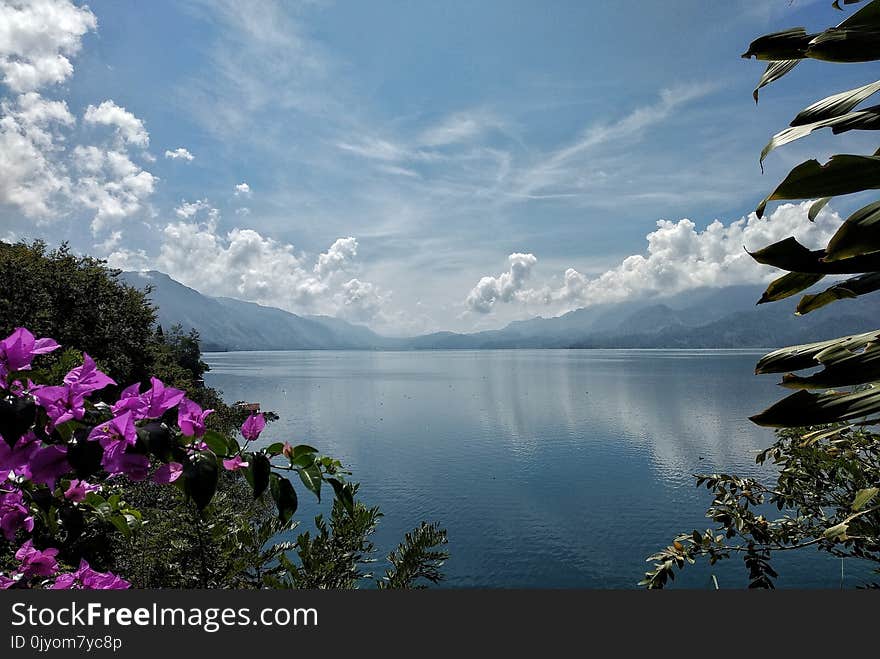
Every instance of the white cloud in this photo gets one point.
(459, 127)
(242, 190)
(503, 288)
(244, 211)
(678, 258)
(111, 243)
(337, 257)
(180, 154)
(244, 264)
(360, 301)
(110, 184)
(30, 176)
(189, 209)
(563, 167)
(129, 128)
(36, 36)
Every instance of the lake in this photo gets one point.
(548, 468)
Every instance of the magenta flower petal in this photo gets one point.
(48, 464)
(87, 378)
(168, 473)
(17, 350)
(14, 515)
(36, 563)
(161, 398)
(234, 464)
(191, 419)
(253, 426)
(78, 489)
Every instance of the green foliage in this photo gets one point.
(825, 493)
(827, 462)
(416, 558)
(80, 303)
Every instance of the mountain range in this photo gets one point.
(703, 318)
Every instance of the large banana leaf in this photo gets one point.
(817, 207)
(836, 105)
(773, 72)
(858, 44)
(806, 409)
(858, 235)
(789, 254)
(851, 368)
(867, 119)
(809, 355)
(787, 44)
(842, 174)
(789, 284)
(850, 288)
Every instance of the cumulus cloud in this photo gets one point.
(30, 136)
(244, 264)
(503, 288)
(678, 258)
(110, 184)
(36, 38)
(337, 257)
(189, 209)
(242, 190)
(180, 154)
(129, 128)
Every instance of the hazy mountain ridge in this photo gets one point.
(702, 318)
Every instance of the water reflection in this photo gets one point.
(549, 468)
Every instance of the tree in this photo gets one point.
(828, 462)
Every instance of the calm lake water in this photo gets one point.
(549, 468)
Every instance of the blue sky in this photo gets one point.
(413, 166)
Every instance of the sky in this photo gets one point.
(412, 166)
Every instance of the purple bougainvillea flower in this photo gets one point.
(6, 582)
(87, 378)
(234, 464)
(36, 563)
(160, 398)
(65, 402)
(118, 460)
(17, 458)
(191, 418)
(120, 428)
(168, 473)
(87, 578)
(14, 515)
(252, 428)
(78, 490)
(48, 463)
(131, 400)
(18, 350)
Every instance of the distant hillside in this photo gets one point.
(228, 324)
(703, 318)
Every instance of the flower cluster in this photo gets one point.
(61, 452)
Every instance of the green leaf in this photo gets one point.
(788, 285)
(200, 475)
(836, 532)
(844, 44)
(257, 472)
(275, 449)
(284, 496)
(790, 255)
(774, 71)
(302, 449)
(867, 119)
(303, 460)
(784, 45)
(851, 288)
(863, 497)
(836, 105)
(858, 235)
(344, 493)
(842, 174)
(311, 478)
(808, 355)
(158, 439)
(805, 409)
(817, 207)
(216, 442)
